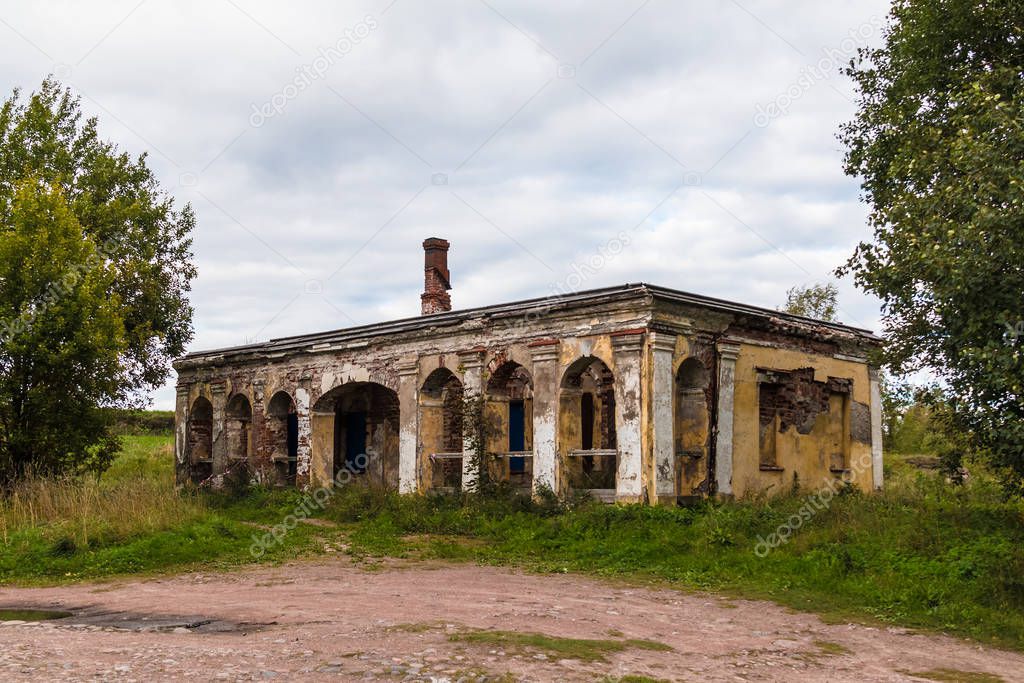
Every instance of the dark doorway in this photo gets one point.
(292, 442)
(355, 442)
(587, 420)
(364, 417)
(587, 429)
(516, 435)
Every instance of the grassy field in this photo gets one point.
(923, 554)
(131, 520)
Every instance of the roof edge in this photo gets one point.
(446, 318)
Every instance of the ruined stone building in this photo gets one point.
(636, 393)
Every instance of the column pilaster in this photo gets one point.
(545, 416)
(663, 347)
(408, 421)
(627, 349)
(472, 363)
(728, 352)
(876, 428)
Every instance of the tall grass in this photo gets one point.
(131, 519)
(136, 497)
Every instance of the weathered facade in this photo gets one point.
(637, 393)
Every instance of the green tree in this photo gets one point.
(815, 301)
(89, 326)
(938, 143)
(62, 339)
(897, 399)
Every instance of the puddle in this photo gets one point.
(32, 614)
(130, 621)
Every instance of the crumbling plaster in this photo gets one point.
(642, 341)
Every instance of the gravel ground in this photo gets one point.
(336, 620)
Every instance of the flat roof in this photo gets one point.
(450, 318)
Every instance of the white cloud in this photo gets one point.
(560, 160)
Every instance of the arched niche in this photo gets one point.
(508, 413)
(587, 425)
(692, 425)
(237, 428)
(440, 428)
(282, 435)
(200, 440)
(356, 430)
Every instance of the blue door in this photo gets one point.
(516, 435)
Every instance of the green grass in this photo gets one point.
(131, 521)
(149, 457)
(923, 554)
(583, 649)
(31, 614)
(827, 647)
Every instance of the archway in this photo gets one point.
(362, 428)
(282, 429)
(440, 404)
(587, 418)
(692, 425)
(200, 441)
(508, 414)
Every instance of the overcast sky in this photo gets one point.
(557, 145)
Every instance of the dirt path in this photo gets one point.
(333, 620)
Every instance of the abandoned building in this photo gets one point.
(635, 393)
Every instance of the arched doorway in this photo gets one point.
(509, 416)
(587, 415)
(692, 426)
(440, 404)
(282, 427)
(361, 421)
(200, 441)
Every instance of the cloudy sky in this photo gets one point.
(557, 145)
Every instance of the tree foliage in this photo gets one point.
(897, 400)
(938, 143)
(95, 270)
(814, 301)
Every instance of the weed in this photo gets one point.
(827, 647)
(583, 649)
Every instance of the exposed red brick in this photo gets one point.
(436, 279)
(626, 333)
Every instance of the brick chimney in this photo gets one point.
(436, 282)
